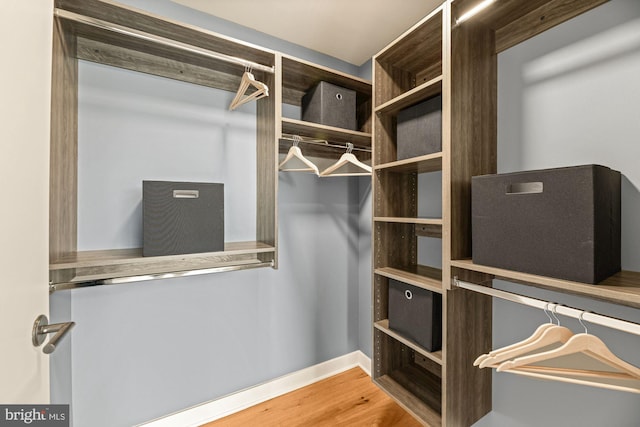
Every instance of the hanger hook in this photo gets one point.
(581, 320)
(554, 312)
(349, 147)
(296, 140)
(546, 311)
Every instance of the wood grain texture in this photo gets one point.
(429, 230)
(109, 54)
(268, 131)
(299, 76)
(63, 174)
(346, 399)
(473, 148)
(419, 48)
(427, 221)
(541, 19)
(134, 255)
(383, 326)
(396, 194)
(396, 245)
(141, 20)
(468, 334)
(96, 265)
(498, 14)
(391, 82)
(422, 276)
(422, 164)
(329, 133)
(302, 75)
(413, 96)
(622, 288)
(415, 386)
(383, 140)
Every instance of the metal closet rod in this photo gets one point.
(322, 142)
(587, 316)
(65, 14)
(131, 279)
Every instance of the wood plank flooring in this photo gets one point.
(346, 399)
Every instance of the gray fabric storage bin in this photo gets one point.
(182, 217)
(419, 129)
(416, 313)
(562, 223)
(330, 105)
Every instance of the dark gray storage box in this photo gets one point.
(562, 223)
(419, 129)
(416, 313)
(182, 217)
(330, 105)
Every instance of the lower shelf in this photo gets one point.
(408, 376)
(406, 392)
(383, 326)
(90, 266)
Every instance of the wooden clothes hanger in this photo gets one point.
(295, 156)
(620, 376)
(247, 81)
(493, 353)
(345, 161)
(623, 377)
(546, 336)
(536, 334)
(553, 335)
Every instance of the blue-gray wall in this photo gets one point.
(570, 97)
(145, 350)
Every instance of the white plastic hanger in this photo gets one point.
(248, 80)
(357, 168)
(295, 156)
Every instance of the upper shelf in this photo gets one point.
(422, 164)
(517, 21)
(110, 33)
(328, 133)
(137, 19)
(419, 93)
(299, 76)
(622, 288)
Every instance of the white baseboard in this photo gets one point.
(235, 402)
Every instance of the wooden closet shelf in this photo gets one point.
(328, 133)
(405, 220)
(622, 288)
(420, 93)
(422, 276)
(408, 401)
(383, 326)
(300, 75)
(89, 259)
(422, 164)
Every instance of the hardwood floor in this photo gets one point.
(346, 399)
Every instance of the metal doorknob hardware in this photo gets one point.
(41, 328)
